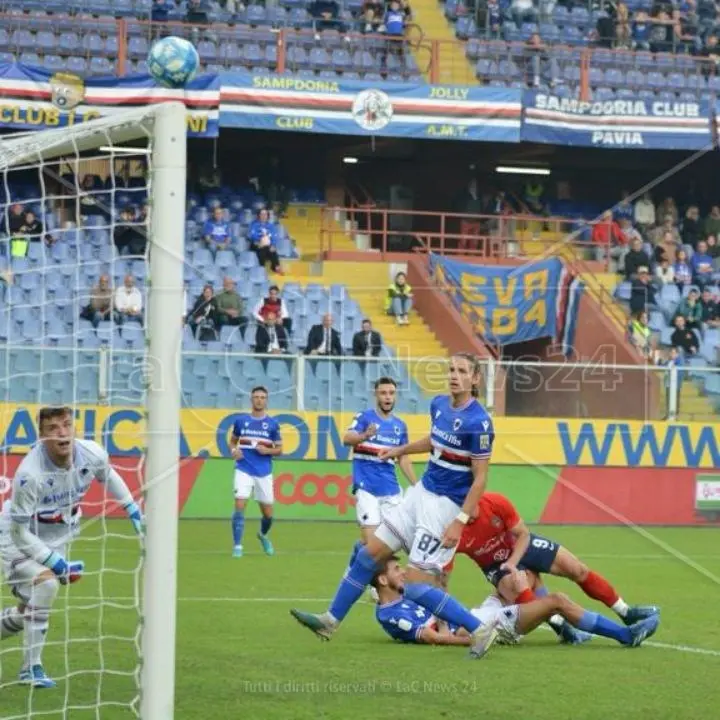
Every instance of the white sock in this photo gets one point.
(620, 607)
(37, 620)
(11, 622)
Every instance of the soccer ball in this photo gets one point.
(173, 62)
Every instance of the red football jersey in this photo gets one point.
(487, 539)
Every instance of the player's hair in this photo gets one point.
(475, 367)
(259, 388)
(375, 582)
(52, 411)
(274, 287)
(366, 320)
(385, 380)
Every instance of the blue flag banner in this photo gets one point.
(506, 305)
(354, 107)
(641, 124)
(33, 98)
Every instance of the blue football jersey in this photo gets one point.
(403, 619)
(253, 431)
(458, 436)
(370, 473)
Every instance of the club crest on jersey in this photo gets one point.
(456, 424)
(484, 442)
(264, 426)
(495, 521)
(397, 430)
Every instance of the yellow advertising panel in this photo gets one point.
(318, 436)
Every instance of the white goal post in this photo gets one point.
(164, 127)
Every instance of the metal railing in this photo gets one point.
(487, 236)
(529, 388)
(125, 43)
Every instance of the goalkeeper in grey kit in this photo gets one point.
(38, 523)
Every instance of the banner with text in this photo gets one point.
(318, 436)
(32, 98)
(643, 124)
(506, 305)
(354, 107)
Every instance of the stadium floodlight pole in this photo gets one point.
(165, 303)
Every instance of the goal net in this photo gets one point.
(91, 300)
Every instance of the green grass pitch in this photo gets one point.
(241, 655)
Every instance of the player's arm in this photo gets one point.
(110, 478)
(272, 450)
(406, 466)
(521, 533)
(356, 435)
(419, 447)
(429, 636)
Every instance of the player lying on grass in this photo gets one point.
(428, 522)
(38, 523)
(499, 542)
(402, 619)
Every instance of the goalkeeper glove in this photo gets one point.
(136, 518)
(67, 572)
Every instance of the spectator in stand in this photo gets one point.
(262, 236)
(666, 247)
(674, 359)
(608, 238)
(629, 232)
(668, 226)
(15, 219)
(197, 13)
(325, 15)
(710, 309)
(682, 270)
(642, 293)
(691, 310)
(399, 299)
(230, 307)
(713, 250)
(160, 10)
(712, 222)
(702, 266)
(683, 338)
(645, 213)
(635, 259)
(30, 231)
(128, 301)
(641, 31)
(371, 16)
(203, 316)
(523, 11)
(324, 339)
(640, 335)
(661, 32)
(271, 337)
(216, 232)
(127, 235)
(493, 19)
(367, 342)
(101, 303)
(394, 20)
(691, 227)
(273, 303)
(534, 56)
(684, 32)
(664, 272)
(623, 33)
(624, 209)
(668, 207)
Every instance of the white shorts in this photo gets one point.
(19, 571)
(506, 617)
(417, 525)
(371, 510)
(260, 487)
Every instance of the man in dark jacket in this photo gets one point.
(271, 337)
(642, 293)
(636, 258)
(684, 338)
(324, 339)
(367, 342)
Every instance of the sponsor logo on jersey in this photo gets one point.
(446, 436)
(484, 442)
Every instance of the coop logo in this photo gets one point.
(648, 445)
(68, 90)
(372, 110)
(310, 489)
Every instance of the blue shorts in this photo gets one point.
(539, 557)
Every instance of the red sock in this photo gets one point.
(598, 588)
(525, 596)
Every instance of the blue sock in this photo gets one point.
(238, 526)
(265, 525)
(355, 551)
(442, 605)
(353, 584)
(598, 625)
